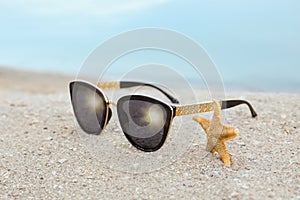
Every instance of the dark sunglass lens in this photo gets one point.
(144, 121)
(89, 107)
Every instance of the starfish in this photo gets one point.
(217, 133)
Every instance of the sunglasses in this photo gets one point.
(145, 121)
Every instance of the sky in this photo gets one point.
(253, 43)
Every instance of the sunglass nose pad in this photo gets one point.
(109, 115)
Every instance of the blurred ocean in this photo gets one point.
(242, 77)
(254, 44)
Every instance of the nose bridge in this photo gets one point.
(110, 102)
(109, 111)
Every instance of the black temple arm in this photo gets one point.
(232, 103)
(127, 84)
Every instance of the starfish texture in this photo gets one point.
(217, 133)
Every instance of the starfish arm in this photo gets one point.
(205, 123)
(210, 145)
(217, 109)
(222, 151)
(216, 119)
(229, 132)
(213, 150)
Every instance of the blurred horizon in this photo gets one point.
(254, 44)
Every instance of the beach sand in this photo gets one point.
(43, 157)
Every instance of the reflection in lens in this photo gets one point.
(144, 123)
(156, 116)
(144, 119)
(89, 107)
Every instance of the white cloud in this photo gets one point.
(85, 7)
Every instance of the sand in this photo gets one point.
(43, 157)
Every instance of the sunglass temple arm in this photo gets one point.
(207, 107)
(112, 85)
